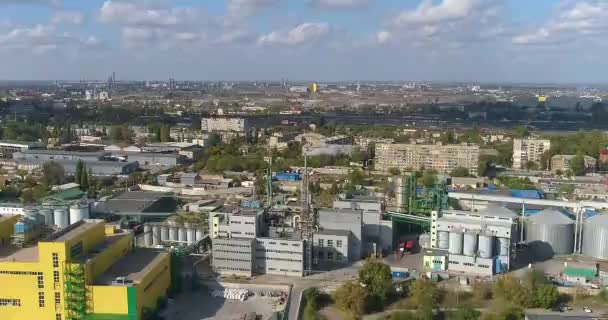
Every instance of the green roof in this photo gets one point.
(580, 272)
(66, 195)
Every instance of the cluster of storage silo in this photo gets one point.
(62, 217)
(471, 243)
(157, 233)
(595, 237)
(552, 229)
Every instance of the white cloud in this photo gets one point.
(338, 4)
(52, 3)
(427, 13)
(301, 34)
(246, 8)
(570, 21)
(239, 36)
(68, 17)
(384, 36)
(44, 38)
(140, 14)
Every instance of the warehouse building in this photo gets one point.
(97, 168)
(475, 242)
(140, 205)
(8, 148)
(443, 158)
(148, 158)
(44, 155)
(344, 220)
(87, 270)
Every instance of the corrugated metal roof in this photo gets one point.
(550, 216)
(497, 211)
(526, 194)
(580, 272)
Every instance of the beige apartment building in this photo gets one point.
(443, 158)
(529, 150)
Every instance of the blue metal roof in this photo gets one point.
(526, 194)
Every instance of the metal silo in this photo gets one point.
(443, 241)
(78, 212)
(503, 245)
(61, 218)
(552, 228)
(182, 235)
(199, 235)
(456, 239)
(190, 236)
(595, 237)
(485, 245)
(173, 233)
(155, 235)
(164, 233)
(147, 235)
(48, 216)
(470, 244)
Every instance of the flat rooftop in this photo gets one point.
(73, 231)
(139, 202)
(11, 253)
(133, 266)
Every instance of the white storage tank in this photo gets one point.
(552, 229)
(155, 235)
(456, 239)
(164, 233)
(485, 245)
(147, 235)
(61, 218)
(48, 216)
(199, 235)
(191, 236)
(173, 234)
(183, 235)
(470, 244)
(503, 247)
(424, 240)
(443, 240)
(78, 212)
(595, 237)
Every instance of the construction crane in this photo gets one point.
(306, 219)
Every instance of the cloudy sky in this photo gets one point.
(463, 40)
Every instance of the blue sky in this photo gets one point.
(449, 40)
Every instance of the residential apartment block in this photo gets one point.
(225, 124)
(528, 150)
(443, 158)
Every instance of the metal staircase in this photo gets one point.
(75, 291)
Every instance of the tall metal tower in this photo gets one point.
(306, 219)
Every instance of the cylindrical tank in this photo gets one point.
(183, 235)
(486, 242)
(424, 240)
(199, 235)
(48, 216)
(470, 244)
(155, 235)
(173, 233)
(147, 235)
(61, 218)
(595, 237)
(164, 233)
(191, 236)
(456, 239)
(443, 240)
(503, 246)
(78, 212)
(552, 228)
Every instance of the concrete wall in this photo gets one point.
(347, 220)
(326, 249)
(470, 265)
(233, 256)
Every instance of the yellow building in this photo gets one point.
(86, 271)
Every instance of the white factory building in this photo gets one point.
(477, 243)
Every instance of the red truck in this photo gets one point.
(405, 248)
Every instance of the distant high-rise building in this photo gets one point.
(443, 158)
(529, 150)
(225, 124)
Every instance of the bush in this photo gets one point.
(351, 297)
(534, 291)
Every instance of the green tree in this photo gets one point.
(531, 165)
(459, 172)
(165, 133)
(355, 177)
(377, 278)
(79, 170)
(466, 312)
(52, 173)
(577, 164)
(394, 171)
(27, 196)
(92, 192)
(84, 179)
(429, 178)
(425, 295)
(521, 132)
(566, 189)
(351, 297)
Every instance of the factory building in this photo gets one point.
(240, 125)
(139, 205)
(242, 249)
(148, 158)
(55, 155)
(98, 168)
(87, 270)
(347, 220)
(377, 233)
(475, 242)
(8, 148)
(443, 158)
(562, 162)
(529, 150)
(331, 248)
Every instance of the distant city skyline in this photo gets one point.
(483, 41)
